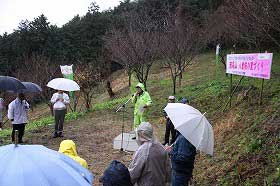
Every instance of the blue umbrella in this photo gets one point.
(10, 83)
(30, 88)
(36, 165)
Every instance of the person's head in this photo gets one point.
(144, 133)
(116, 174)
(21, 96)
(68, 147)
(171, 99)
(184, 101)
(140, 88)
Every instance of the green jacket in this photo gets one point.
(142, 100)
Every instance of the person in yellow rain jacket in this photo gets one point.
(68, 148)
(141, 100)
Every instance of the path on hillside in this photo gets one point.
(93, 136)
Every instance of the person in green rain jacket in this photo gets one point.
(141, 100)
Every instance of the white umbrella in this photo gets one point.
(63, 84)
(192, 125)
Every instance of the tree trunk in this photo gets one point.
(174, 85)
(145, 85)
(129, 79)
(180, 79)
(88, 101)
(109, 89)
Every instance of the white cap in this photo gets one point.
(171, 97)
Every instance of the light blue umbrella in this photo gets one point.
(36, 165)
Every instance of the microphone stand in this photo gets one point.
(122, 107)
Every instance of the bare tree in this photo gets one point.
(40, 70)
(264, 14)
(135, 51)
(251, 22)
(116, 44)
(135, 46)
(180, 43)
(88, 76)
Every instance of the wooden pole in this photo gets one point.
(16, 137)
(261, 94)
(230, 90)
(233, 93)
(230, 86)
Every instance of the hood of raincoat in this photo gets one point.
(141, 85)
(144, 133)
(68, 148)
(116, 175)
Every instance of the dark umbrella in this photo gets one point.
(10, 83)
(30, 88)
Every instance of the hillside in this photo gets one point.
(247, 150)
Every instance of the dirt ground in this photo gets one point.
(93, 136)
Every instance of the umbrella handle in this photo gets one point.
(16, 137)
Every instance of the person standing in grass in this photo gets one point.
(17, 114)
(142, 101)
(150, 164)
(182, 156)
(169, 125)
(60, 100)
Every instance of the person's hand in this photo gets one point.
(168, 148)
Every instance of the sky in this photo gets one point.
(58, 12)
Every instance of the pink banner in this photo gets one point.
(251, 65)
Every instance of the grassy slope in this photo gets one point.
(246, 136)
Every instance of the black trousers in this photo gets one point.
(20, 128)
(59, 116)
(169, 128)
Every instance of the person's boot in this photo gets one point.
(55, 135)
(60, 134)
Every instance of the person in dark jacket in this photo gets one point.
(169, 126)
(184, 101)
(182, 157)
(116, 174)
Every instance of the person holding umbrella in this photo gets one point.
(194, 133)
(60, 100)
(17, 114)
(182, 157)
